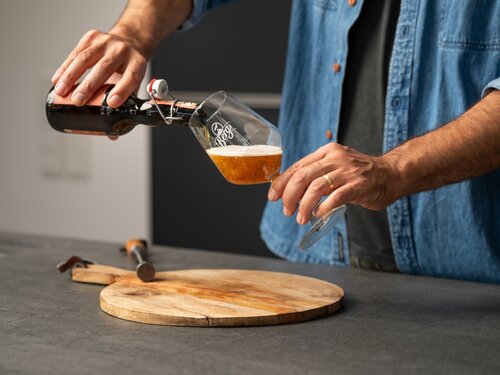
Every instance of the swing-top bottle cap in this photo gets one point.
(158, 88)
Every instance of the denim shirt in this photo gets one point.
(446, 55)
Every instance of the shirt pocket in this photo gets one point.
(326, 4)
(470, 24)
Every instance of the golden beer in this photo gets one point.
(247, 165)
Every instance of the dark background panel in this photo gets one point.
(238, 47)
(194, 206)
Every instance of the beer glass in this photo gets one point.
(244, 146)
(247, 149)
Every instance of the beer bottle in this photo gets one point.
(97, 118)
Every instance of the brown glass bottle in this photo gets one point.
(97, 118)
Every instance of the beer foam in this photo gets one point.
(238, 151)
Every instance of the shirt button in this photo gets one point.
(405, 31)
(396, 102)
(329, 135)
(351, 2)
(336, 67)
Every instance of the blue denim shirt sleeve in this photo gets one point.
(200, 7)
(493, 85)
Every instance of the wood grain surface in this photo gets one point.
(212, 297)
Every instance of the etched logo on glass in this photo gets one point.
(222, 132)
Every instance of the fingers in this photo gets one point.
(83, 61)
(316, 190)
(357, 178)
(64, 66)
(103, 72)
(307, 178)
(106, 55)
(130, 80)
(280, 182)
(340, 196)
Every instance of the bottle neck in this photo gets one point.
(174, 112)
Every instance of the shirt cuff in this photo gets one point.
(493, 85)
(199, 9)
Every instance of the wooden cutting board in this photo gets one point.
(212, 297)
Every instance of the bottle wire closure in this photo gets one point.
(158, 89)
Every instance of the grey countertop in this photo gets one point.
(390, 323)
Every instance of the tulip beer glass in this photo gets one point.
(247, 149)
(244, 146)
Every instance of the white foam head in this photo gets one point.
(256, 150)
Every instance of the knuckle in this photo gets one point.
(317, 186)
(331, 146)
(321, 164)
(106, 38)
(121, 48)
(141, 60)
(134, 76)
(106, 64)
(300, 177)
(331, 156)
(91, 34)
(72, 55)
(68, 76)
(86, 86)
(296, 166)
(85, 56)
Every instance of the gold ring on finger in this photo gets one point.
(329, 181)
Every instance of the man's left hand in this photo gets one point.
(353, 177)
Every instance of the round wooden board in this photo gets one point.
(221, 298)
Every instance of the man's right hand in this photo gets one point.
(121, 55)
(106, 54)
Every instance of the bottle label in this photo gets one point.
(96, 100)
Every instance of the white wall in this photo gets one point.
(51, 183)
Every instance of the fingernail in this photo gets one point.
(300, 219)
(272, 196)
(114, 101)
(78, 98)
(286, 212)
(55, 77)
(60, 89)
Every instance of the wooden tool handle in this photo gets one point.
(99, 274)
(135, 243)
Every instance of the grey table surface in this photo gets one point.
(389, 323)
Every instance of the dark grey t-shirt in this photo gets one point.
(362, 122)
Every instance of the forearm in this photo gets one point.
(465, 148)
(144, 23)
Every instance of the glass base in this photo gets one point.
(321, 226)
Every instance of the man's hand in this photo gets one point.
(357, 178)
(106, 54)
(122, 53)
(465, 148)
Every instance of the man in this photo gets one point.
(396, 80)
